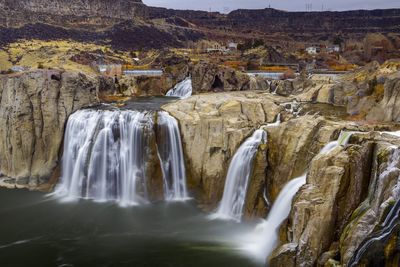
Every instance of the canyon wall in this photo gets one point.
(34, 108)
(345, 201)
(358, 21)
(119, 9)
(100, 20)
(213, 126)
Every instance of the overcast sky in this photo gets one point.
(317, 5)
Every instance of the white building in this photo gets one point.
(232, 46)
(312, 50)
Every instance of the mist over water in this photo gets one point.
(41, 231)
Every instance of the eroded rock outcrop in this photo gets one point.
(369, 93)
(371, 215)
(335, 211)
(208, 77)
(212, 127)
(289, 153)
(34, 108)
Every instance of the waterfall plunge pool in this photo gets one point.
(37, 230)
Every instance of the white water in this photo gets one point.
(183, 89)
(264, 239)
(397, 134)
(105, 154)
(277, 121)
(231, 205)
(261, 243)
(392, 218)
(172, 161)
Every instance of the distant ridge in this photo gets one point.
(131, 24)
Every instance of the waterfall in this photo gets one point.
(171, 154)
(237, 180)
(106, 153)
(183, 89)
(392, 219)
(103, 156)
(264, 239)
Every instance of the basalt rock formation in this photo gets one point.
(121, 24)
(212, 127)
(369, 93)
(34, 108)
(346, 197)
(128, 24)
(17, 13)
(208, 77)
(317, 23)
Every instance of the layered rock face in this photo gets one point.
(293, 23)
(212, 127)
(292, 161)
(210, 77)
(369, 93)
(347, 195)
(120, 9)
(317, 22)
(121, 24)
(34, 108)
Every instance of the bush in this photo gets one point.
(373, 83)
(289, 74)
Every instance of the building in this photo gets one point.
(312, 50)
(232, 46)
(216, 48)
(110, 70)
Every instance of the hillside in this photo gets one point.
(133, 25)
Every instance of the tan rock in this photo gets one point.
(212, 127)
(33, 111)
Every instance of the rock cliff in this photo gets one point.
(100, 20)
(369, 93)
(120, 10)
(341, 203)
(213, 126)
(34, 108)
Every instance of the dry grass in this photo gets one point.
(53, 54)
(5, 64)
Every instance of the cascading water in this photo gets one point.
(105, 156)
(392, 219)
(264, 239)
(183, 89)
(172, 160)
(235, 190)
(237, 180)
